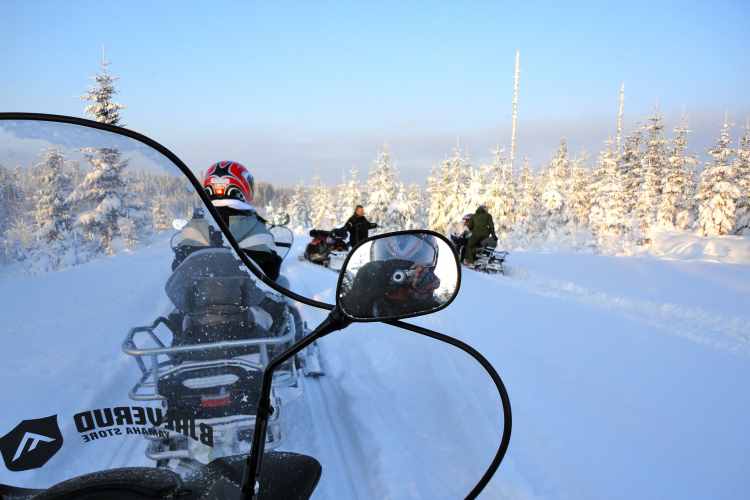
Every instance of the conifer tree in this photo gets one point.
(608, 218)
(299, 209)
(653, 166)
(100, 196)
(742, 168)
(350, 195)
(719, 190)
(321, 204)
(102, 108)
(676, 207)
(382, 189)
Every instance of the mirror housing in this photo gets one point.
(398, 275)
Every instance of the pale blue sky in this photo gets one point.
(296, 88)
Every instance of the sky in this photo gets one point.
(298, 89)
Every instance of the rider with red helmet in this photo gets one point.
(231, 186)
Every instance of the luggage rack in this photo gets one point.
(155, 368)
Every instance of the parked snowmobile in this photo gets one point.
(488, 259)
(212, 373)
(327, 248)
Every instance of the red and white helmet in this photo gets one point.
(229, 180)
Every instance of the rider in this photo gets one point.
(231, 186)
(481, 226)
(399, 279)
(358, 226)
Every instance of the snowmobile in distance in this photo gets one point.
(488, 259)
(327, 248)
(217, 358)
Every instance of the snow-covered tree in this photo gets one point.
(528, 208)
(407, 209)
(630, 170)
(555, 193)
(653, 165)
(477, 187)
(128, 232)
(321, 204)
(719, 190)
(676, 207)
(299, 209)
(54, 239)
(382, 189)
(580, 196)
(101, 107)
(52, 214)
(100, 198)
(742, 168)
(349, 196)
(448, 191)
(608, 218)
(161, 219)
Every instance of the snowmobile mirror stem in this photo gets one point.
(333, 322)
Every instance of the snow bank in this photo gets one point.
(689, 246)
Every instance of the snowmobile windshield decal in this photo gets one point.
(31, 444)
(103, 423)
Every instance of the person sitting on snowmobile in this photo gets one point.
(460, 239)
(481, 226)
(399, 278)
(358, 226)
(230, 186)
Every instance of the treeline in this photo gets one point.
(651, 182)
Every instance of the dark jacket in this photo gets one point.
(358, 228)
(368, 294)
(481, 224)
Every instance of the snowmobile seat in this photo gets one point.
(218, 301)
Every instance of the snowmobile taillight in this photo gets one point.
(216, 401)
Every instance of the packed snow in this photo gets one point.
(627, 377)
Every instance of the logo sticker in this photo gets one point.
(31, 444)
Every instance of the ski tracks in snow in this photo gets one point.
(698, 325)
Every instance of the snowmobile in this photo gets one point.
(222, 332)
(327, 248)
(208, 406)
(487, 259)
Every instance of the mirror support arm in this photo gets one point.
(333, 322)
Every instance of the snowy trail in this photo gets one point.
(719, 331)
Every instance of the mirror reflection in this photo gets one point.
(400, 275)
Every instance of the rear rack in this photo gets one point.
(146, 388)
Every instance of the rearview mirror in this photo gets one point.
(398, 275)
